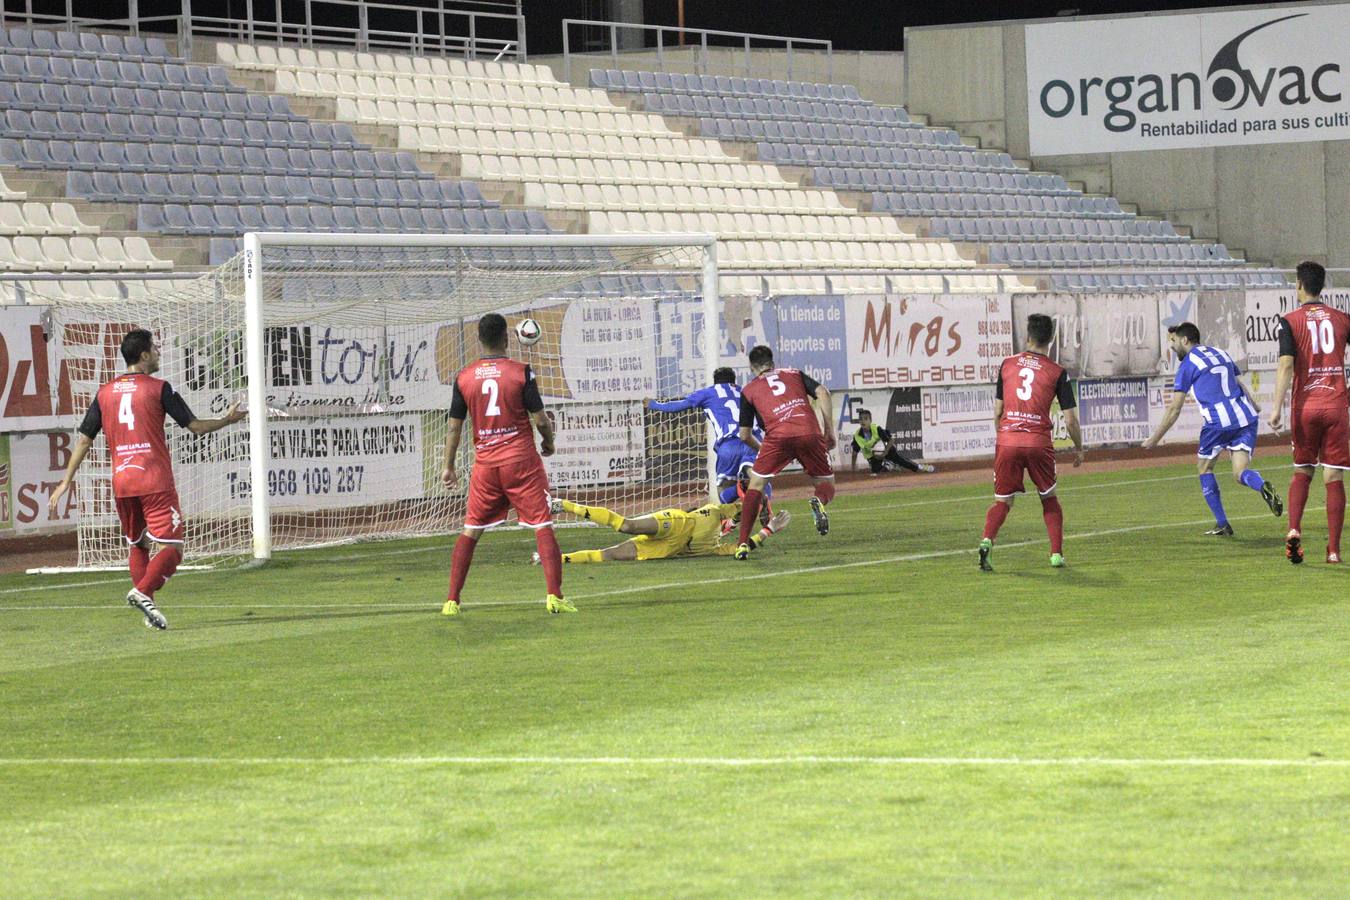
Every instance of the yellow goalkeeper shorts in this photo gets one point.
(674, 528)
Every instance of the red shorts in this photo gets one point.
(155, 516)
(494, 490)
(807, 449)
(1011, 462)
(1322, 435)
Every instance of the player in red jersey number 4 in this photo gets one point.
(502, 397)
(796, 414)
(1027, 385)
(1312, 356)
(130, 411)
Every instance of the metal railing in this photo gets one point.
(739, 40)
(471, 28)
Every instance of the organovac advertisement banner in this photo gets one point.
(1270, 76)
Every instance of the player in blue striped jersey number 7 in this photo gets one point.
(1231, 417)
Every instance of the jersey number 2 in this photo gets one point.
(1027, 376)
(490, 390)
(125, 414)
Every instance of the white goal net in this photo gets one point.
(351, 343)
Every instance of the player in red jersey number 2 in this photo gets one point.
(1312, 356)
(130, 411)
(782, 400)
(502, 397)
(1027, 385)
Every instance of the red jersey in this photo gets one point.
(498, 394)
(1315, 336)
(1028, 384)
(781, 400)
(130, 410)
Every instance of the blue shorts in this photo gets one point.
(733, 454)
(1214, 439)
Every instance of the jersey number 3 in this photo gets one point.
(1027, 376)
(125, 414)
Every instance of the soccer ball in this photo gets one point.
(528, 332)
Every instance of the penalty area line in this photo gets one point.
(670, 585)
(694, 761)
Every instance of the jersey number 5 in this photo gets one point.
(775, 384)
(490, 390)
(125, 414)
(1027, 376)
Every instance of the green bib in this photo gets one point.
(865, 442)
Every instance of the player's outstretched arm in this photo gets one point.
(1075, 434)
(82, 445)
(206, 426)
(1169, 419)
(670, 406)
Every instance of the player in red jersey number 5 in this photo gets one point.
(130, 411)
(502, 398)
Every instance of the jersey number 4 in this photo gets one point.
(125, 414)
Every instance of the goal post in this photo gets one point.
(343, 348)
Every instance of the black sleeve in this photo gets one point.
(175, 407)
(748, 414)
(1064, 391)
(810, 384)
(998, 387)
(458, 408)
(1287, 347)
(883, 435)
(93, 420)
(533, 402)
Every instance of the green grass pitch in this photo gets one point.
(863, 714)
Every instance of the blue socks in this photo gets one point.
(1252, 479)
(1209, 486)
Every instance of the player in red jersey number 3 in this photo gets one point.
(1028, 384)
(502, 398)
(797, 417)
(130, 411)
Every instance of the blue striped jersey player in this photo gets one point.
(721, 403)
(1230, 419)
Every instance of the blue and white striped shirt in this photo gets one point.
(1211, 377)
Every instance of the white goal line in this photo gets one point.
(695, 761)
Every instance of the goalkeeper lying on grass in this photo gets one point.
(665, 533)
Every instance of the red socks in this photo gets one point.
(993, 520)
(1054, 522)
(164, 564)
(825, 491)
(1298, 498)
(750, 513)
(459, 564)
(139, 559)
(1335, 515)
(550, 557)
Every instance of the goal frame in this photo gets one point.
(254, 332)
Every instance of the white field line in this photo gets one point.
(692, 761)
(377, 554)
(671, 585)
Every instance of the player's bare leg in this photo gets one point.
(1335, 511)
(993, 521)
(1298, 498)
(1251, 478)
(460, 561)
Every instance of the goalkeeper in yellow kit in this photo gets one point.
(666, 533)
